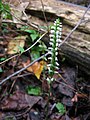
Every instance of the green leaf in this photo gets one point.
(34, 90)
(35, 54)
(34, 36)
(5, 11)
(21, 49)
(1, 6)
(30, 31)
(60, 108)
(2, 59)
(6, 7)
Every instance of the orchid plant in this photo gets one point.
(55, 40)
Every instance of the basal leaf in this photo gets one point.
(30, 31)
(34, 36)
(34, 90)
(60, 108)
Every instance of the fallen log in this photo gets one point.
(77, 48)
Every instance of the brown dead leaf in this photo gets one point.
(13, 45)
(18, 101)
(36, 68)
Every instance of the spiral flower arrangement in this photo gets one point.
(55, 40)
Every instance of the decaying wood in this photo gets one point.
(70, 13)
(77, 48)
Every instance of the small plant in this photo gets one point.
(5, 11)
(33, 34)
(60, 107)
(55, 35)
(33, 90)
(40, 47)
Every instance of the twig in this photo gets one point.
(7, 78)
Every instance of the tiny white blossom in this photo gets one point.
(51, 35)
(56, 49)
(52, 79)
(50, 48)
(58, 40)
(56, 44)
(51, 39)
(50, 52)
(56, 53)
(56, 72)
(51, 43)
(57, 64)
(48, 79)
(52, 31)
(57, 32)
(50, 58)
(56, 67)
(55, 23)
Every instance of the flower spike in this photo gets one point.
(55, 40)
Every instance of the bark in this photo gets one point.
(77, 48)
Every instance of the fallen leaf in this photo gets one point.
(36, 68)
(13, 45)
(18, 101)
(69, 77)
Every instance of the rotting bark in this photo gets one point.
(77, 48)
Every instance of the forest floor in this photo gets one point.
(24, 91)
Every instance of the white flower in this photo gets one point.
(56, 59)
(57, 33)
(52, 79)
(55, 23)
(56, 53)
(56, 49)
(56, 44)
(50, 48)
(51, 35)
(50, 58)
(56, 67)
(51, 43)
(48, 79)
(57, 64)
(50, 52)
(51, 39)
(52, 31)
(59, 29)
